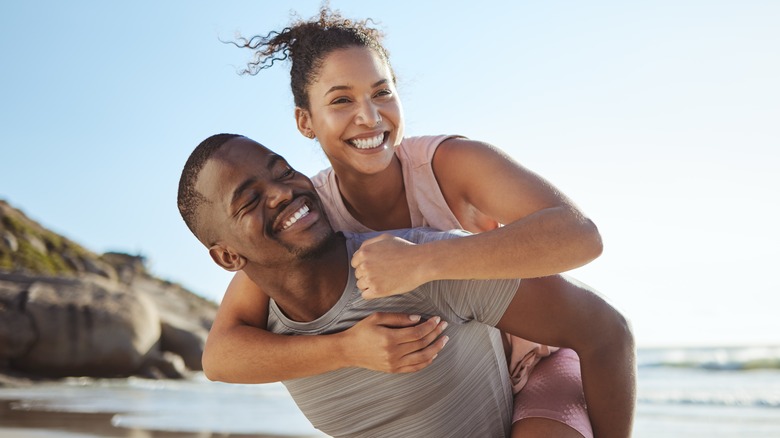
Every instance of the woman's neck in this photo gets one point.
(378, 201)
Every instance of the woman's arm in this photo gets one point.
(239, 349)
(545, 233)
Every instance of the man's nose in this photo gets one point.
(278, 194)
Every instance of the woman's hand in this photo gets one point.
(385, 266)
(394, 342)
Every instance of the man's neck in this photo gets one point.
(306, 289)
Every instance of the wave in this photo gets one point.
(710, 399)
(712, 358)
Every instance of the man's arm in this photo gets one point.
(240, 350)
(558, 311)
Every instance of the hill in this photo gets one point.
(66, 311)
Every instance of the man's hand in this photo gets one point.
(394, 342)
(384, 266)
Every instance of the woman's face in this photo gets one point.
(354, 111)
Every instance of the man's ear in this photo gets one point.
(226, 258)
(303, 121)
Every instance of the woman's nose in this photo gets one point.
(368, 115)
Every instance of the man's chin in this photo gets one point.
(328, 241)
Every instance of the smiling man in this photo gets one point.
(255, 213)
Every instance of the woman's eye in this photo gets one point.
(339, 100)
(384, 92)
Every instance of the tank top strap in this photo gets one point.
(328, 189)
(426, 201)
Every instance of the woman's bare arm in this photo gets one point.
(240, 350)
(545, 233)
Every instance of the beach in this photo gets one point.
(694, 392)
(143, 408)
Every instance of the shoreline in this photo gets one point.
(675, 394)
(38, 407)
(20, 421)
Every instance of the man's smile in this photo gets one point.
(299, 211)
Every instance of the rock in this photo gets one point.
(17, 333)
(185, 318)
(36, 243)
(74, 261)
(164, 365)
(100, 267)
(69, 312)
(127, 266)
(186, 343)
(86, 329)
(11, 241)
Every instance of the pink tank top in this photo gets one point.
(423, 195)
(428, 208)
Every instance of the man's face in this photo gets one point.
(259, 207)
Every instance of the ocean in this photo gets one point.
(708, 392)
(682, 392)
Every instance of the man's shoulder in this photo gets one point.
(416, 235)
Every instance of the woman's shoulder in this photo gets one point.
(420, 149)
(422, 141)
(321, 178)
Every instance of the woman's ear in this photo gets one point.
(303, 121)
(226, 258)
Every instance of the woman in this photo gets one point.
(345, 96)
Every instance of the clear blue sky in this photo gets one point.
(660, 119)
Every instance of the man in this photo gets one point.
(255, 213)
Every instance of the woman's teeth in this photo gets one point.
(304, 211)
(368, 143)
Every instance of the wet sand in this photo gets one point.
(18, 422)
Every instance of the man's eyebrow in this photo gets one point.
(273, 159)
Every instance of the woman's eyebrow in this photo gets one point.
(349, 87)
(337, 88)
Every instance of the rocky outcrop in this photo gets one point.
(65, 311)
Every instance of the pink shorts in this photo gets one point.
(554, 391)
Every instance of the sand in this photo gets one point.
(23, 423)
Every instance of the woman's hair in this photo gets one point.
(307, 43)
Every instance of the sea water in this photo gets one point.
(708, 392)
(194, 405)
(682, 392)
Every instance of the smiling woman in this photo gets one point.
(358, 120)
(354, 111)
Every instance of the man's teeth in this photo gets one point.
(368, 143)
(304, 211)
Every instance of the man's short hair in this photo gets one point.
(189, 199)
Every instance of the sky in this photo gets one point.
(661, 120)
